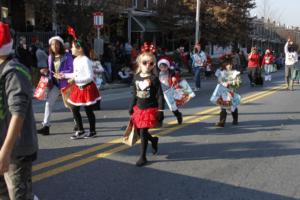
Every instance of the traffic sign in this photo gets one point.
(98, 19)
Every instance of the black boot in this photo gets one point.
(223, 115)
(154, 145)
(144, 143)
(44, 130)
(141, 161)
(178, 116)
(235, 117)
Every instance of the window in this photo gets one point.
(134, 3)
(146, 3)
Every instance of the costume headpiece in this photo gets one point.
(72, 32)
(148, 47)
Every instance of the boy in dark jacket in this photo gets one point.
(18, 140)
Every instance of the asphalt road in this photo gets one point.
(258, 159)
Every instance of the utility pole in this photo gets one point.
(54, 19)
(129, 24)
(197, 34)
(0, 10)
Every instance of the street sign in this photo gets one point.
(98, 19)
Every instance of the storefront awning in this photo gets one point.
(143, 24)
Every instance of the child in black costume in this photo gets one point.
(147, 104)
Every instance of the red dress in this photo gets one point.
(144, 118)
(85, 95)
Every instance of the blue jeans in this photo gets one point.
(197, 77)
(108, 69)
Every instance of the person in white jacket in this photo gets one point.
(291, 58)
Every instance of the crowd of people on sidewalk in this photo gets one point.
(74, 71)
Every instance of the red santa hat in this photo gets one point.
(163, 61)
(6, 42)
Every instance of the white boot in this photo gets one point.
(266, 77)
(270, 77)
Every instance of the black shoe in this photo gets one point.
(90, 134)
(159, 124)
(235, 122)
(179, 118)
(155, 145)
(220, 124)
(44, 130)
(141, 162)
(77, 135)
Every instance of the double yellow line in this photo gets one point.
(196, 118)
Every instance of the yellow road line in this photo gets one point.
(78, 163)
(92, 158)
(74, 155)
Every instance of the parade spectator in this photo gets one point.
(253, 65)
(42, 59)
(243, 61)
(236, 62)
(291, 58)
(128, 48)
(134, 55)
(199, 60)
(120, 59)
(146, 107)
(98, 70)
(208, 67)
(280, 61)
(18, 140)
(67, 47)
(84, 92)
(125, 75)
(107, 60)
(60, 63)
(23, 54)
(177, 58)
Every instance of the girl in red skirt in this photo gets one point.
(147, 104)
(84, 92)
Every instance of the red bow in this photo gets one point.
(71, 32)
(148, 47)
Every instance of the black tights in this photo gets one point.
(89, 110)
(145, 136)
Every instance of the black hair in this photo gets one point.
(61, 50)
(81, 44)
(291, 48)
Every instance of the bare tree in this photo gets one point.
(269, 11)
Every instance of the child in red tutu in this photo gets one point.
(147, 104)
(84, 92)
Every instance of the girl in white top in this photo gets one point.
(84, 92)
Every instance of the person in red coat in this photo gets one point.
(253, 65)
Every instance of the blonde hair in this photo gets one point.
(139, 62)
